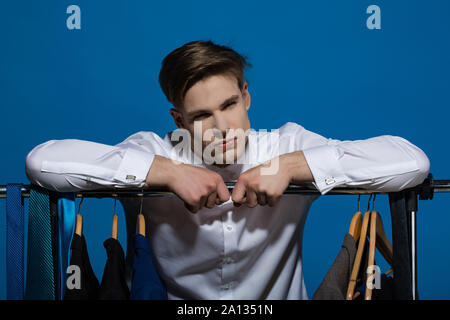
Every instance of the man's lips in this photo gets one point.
(228, 143)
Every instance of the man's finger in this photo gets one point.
(236, 204)
(190, 207)
(252, 199)
(211, 201)
(202, 202)
(238, 194)
(272, 201)
(222, 192)
(262, 199)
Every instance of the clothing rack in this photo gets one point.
(404, 201)
(424, 190)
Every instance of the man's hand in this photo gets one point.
(197, 187)
(254, 187)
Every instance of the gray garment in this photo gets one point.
(335, 283)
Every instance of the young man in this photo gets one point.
(208, 243)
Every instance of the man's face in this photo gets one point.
(218, 105)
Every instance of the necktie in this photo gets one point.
(14, 242)
(66, 217)
(40, 282)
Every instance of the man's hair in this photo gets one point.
(197, 60)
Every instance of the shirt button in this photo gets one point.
(228, 260)
(229, 228)
(329, 180)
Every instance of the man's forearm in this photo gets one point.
(71, 165)
(384, 163)
(297, 166)
(161, 172)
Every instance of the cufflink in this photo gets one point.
(130, 177)
(329, 180)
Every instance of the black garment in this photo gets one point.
(89, 288)
(386, 291)
(402, 286)
(114, 286)
(335, 283)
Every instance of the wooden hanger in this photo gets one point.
(114, 226)
(358, 257)
(141, 223)
(141, 219)
(382, 242)
(379, 240)
(79, 220)
(372, 245)
(355, 230)
(79, 225)
(355, 226)
(115, 219)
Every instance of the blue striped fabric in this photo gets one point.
(15, 242)
(40, 284)
(66, 223)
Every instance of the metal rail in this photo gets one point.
(434, 185)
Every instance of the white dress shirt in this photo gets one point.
(228, 252)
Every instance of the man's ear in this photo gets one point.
(246, 96)
(177, 118)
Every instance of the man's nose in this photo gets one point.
(221, 124)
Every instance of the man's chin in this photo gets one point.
(223, 159)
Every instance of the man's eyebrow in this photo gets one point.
(223, 104)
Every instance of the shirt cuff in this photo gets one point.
(323, 161)
(134, 167)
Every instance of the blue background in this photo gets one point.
(314, 62)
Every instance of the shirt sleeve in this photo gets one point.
(72, 165)
(384, 163)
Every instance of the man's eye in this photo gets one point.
(230, 104)
(200, 116)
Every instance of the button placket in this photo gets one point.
(227, 266)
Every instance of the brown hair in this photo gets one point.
(194, 61)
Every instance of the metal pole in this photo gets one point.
(411, 209)
(153, 192)
(413, 254)
(307, 188)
